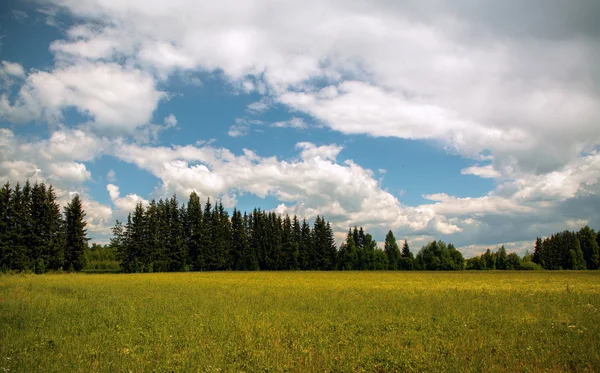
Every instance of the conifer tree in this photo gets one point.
(305, 248)
(206, 239)
(406, 258)
(193, 231)
(348, 254)
(75, 235)
(537, 253)
(392, 251)
(6, 231)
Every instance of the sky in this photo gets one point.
(473, 122)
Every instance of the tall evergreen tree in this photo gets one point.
(406, 261)
(348, 254)
(306, 246)
(537, 251)
(392, 251)
(206, 239)
(193, 231)
(75, 235)
(6, 228)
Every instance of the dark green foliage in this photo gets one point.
(407, 258)
(31, 229)
(537, 251)
(380, 260)
(164, 236)
(501, 258)
(589, 246)
(502, 261)
(561, 251)
(513, 261)
(193, 231)
(392, 251)
(75, 235)
(348, 255)
(439, 256)
(305, 248)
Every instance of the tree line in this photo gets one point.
(34, 234)
(168, 236)
(568, 250)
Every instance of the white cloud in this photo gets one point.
(111, 176)
(481, 171)
(11, 69)
(125, 204)
(259, 106)
(295, 122)
(69, 172)
(117, 99)
(57, 161)
(459, 75)
(170, 120)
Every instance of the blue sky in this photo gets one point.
(432, 121)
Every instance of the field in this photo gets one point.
(301, 321)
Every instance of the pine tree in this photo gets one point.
(392, 251)
(250, 258)
(151, 237)
(176, 248)
(348, 254)
(330, 249)
(18, 225)
(206, 239)
(55, 243)
(305, 248)
(406, 258)
(75, 235)
(39, 229)
(6, 231)
(370, 248)
(537, 251)
(193, 231)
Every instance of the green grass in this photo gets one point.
(301, 321)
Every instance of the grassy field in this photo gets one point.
(301, 321)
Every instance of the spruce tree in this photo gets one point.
(206, 240)
(305, 248)
(392, 251)
(348, 254)
(406, 258)
(18, 226)
(6, 232)
(193, 231)
(537, 251)
(75, 235)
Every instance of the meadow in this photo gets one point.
(481, 321)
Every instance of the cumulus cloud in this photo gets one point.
(486, 81)
(125, 204)
(57, 161)
(11, 69)
(117, 99)
(459, 74)
(481, 171)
